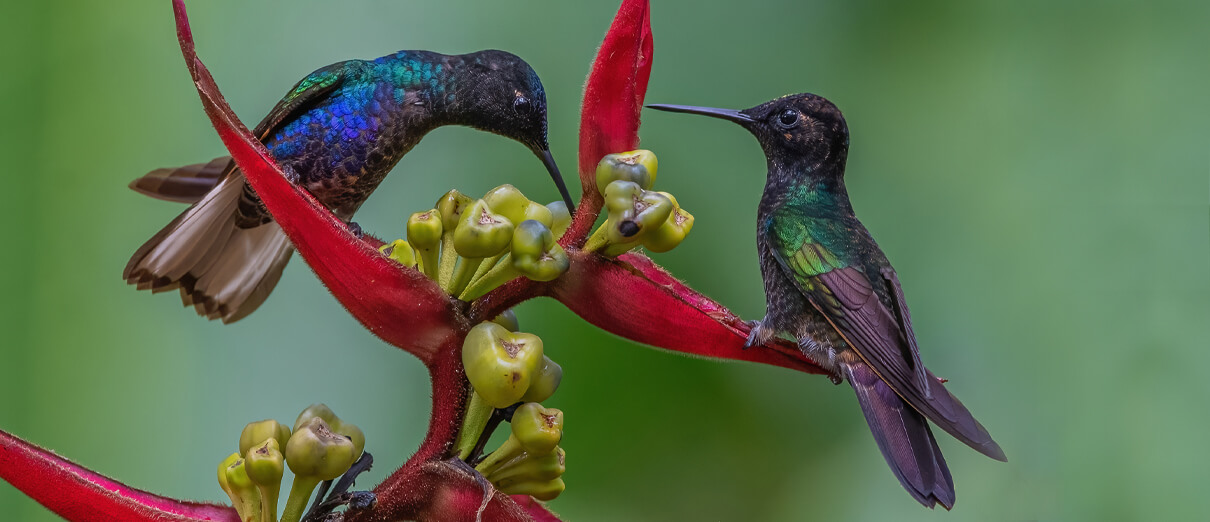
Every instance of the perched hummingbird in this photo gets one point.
(829, 285)
(338, 133)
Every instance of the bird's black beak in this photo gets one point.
(549, 160)
(726, 114)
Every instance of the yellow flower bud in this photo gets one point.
(481, 233)
(500, 364)
(538, 429)
(638, 166)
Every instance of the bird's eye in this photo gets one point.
(522, 105)
(788, 118)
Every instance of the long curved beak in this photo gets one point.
(726, 114)
(553, 169)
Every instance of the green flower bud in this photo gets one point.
(451, 206)
(538, 429)
(481, 233)
(314, 453)
(400, 251)
(265, 465)
(531, 468)
(500, 364)
(424, 229)
(539, 490)
(535, 254)
(245, 490)
(508, 319)
(638, 166)
(560, 218)
(544, 384)
(314, 450)
(349, 430)
(672, 232)
(424, 234)
(257, 432)
(236, 500)
(509, 202)
(633, 211)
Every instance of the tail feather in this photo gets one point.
(188, 184)
(904, 437)
(223, 271)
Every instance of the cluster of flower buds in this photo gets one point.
(636, 215)
(506, 367)
(530, 462)
(472, 246)
(509, 369)
(320, 447)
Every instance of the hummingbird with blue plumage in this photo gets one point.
(337, 133)
(829, 286)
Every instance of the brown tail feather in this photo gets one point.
(222, 270)
(188, 184)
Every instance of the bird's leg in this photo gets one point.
(760, 334)
(825, 356)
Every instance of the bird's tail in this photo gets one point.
(904, 437)
(224, 270)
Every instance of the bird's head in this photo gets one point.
(503, 95)
(793, 129)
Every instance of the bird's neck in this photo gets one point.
(426, 79)
(809, 189)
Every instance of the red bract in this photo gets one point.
(75, 493)
(629, 296)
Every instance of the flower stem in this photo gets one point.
(300, 492)
(488, 264)
(463, 272)
(597, 240)
(508, 451)
(429, 261)
(478, 412)
(498, 275)
(268, 502)
(449, 257)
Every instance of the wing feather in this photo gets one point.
(847, 298)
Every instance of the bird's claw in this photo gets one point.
(356, 230)
(758, 334)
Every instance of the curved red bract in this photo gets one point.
(637, 299)
(76, 493)
(613, 99)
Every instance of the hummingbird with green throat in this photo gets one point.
(337, 133)
(828, 285)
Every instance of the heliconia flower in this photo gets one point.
(628, 295)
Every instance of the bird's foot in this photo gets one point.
(356, 230)
(758, 335)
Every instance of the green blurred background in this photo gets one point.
(1036, 170)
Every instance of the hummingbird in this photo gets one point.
(829, 286)
(337, 133)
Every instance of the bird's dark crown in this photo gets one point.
(801, 130)
(503, 95)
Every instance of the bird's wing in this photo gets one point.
(882, 337)
(189, 184)
(309, 91)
